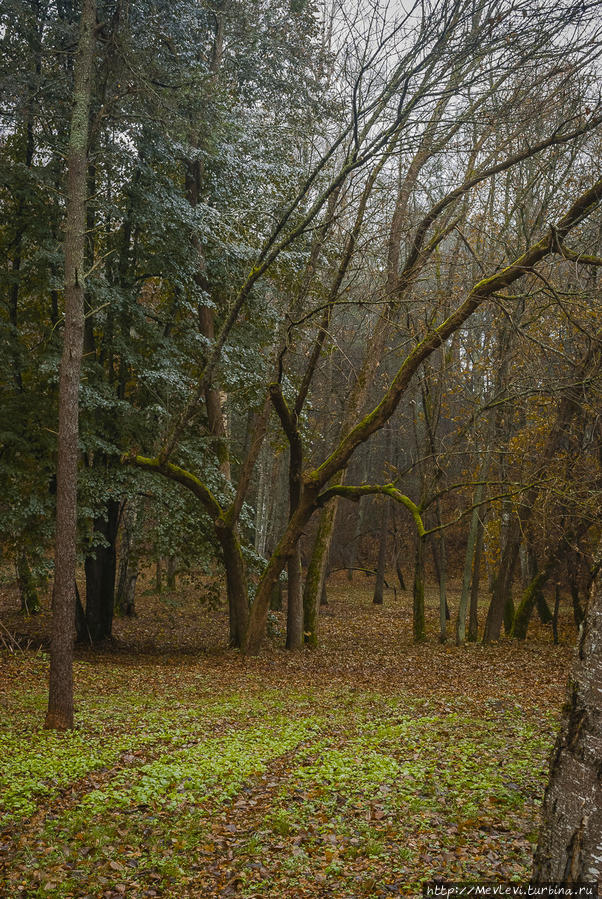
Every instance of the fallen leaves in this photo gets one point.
(354, 770)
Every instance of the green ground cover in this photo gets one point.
(277, 777)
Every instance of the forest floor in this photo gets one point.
(359, 769)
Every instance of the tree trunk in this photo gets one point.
(261, 525)
(502, 584)
(382, 557)
(101, 569)
(418, 609)
(128, 564)
(555, 614)
(469, 561)
(357, 534)
(570, 839)
(59, 715)
(316, 573)
(440, 559)
(276, 599)
(473, 623)
(171, 571)
(30, 601)
(158, 575)
(526, 605)
(324, 594)
(236, 585)
(257, 618)
(572, 569)
(294, 608)
(533, 595)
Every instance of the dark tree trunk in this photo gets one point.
(170, 576)
(502, 584)
(276, 600)
(555, 614)
(125, 599)
(570, 838)
(572, 567)
(382, 557)
(316, 573)
(439, 551)
(418, 609)
(236, 585)
(101, 570)
(543, 609)
(30, 601)
(324, 594)
(473, 622)
(294, 607)
(60, 697)
(533, 595)
(397, 551)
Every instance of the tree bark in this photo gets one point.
(236, 584)
(30, 600)
(440, 557)
(418, 607)
(316, 572)
(503, 583)
(468, 568)
(294, 608)
(533, 594)
(382, 556)
(125, 597)
(171, 572)
(473, 623)
(59, 715)
(570, 839)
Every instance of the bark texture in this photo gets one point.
(316, 572)
(236, 584)
(60, 699)
(570, 839)
(294, 608)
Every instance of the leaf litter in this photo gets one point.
(356, 770)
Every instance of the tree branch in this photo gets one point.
(355, 493)
(181, 476)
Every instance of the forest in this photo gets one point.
(300, 446)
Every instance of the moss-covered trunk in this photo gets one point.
(316, 573)
(533, 594)
(259, 610)
(526, 605)
(237, 590)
